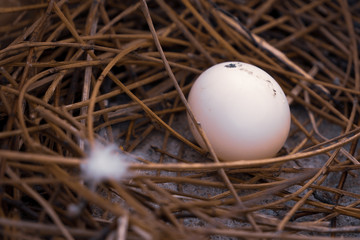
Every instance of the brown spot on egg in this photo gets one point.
(230, 65)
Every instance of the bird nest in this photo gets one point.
(80, 77)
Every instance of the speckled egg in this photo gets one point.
(242, 109)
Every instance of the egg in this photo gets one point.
(242, 110)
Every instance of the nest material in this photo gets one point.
(75, 72)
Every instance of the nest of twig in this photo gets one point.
(74, 72)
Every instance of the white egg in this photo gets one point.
(242, 109)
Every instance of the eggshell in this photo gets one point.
(242, 109)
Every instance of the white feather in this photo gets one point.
(104, 162)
